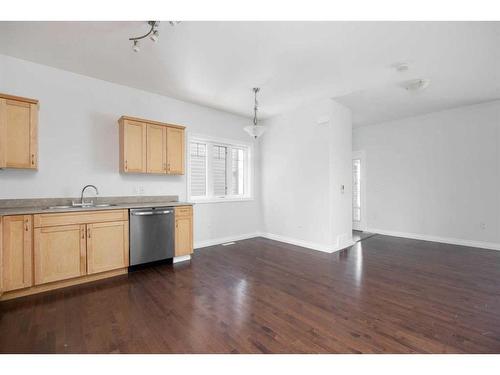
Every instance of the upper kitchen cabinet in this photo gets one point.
(18, 132)
(132, 146)
(175, 150)
(148, 146)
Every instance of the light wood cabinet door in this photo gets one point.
(18, 134)
(183, 235)
(134, 147)
(175, 151)
(107, 246)
(16, 253)
(59, 253)
(156, 148)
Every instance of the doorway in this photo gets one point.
(358, 191)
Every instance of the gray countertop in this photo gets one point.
(40, 206)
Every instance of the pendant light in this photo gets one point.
(255, 130)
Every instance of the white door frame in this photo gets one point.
(362, 225)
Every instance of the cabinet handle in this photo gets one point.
(126, 165)
(26, 227)
(32, 159)
(88, 233)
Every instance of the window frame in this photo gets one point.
(230, 144)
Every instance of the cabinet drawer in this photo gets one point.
(183, 211)
(72, 218)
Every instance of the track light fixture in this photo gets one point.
(153, 34)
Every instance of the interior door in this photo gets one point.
(134, 147)
(156, 148)
(175, 151)
(358, 191)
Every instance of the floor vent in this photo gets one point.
(228, 243)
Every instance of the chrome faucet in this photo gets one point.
(82, 202)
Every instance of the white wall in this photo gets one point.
(436, 176)
(303, 165)
(78, 143)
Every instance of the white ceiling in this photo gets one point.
(218, 63)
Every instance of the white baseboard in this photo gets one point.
(307, 244)
(447, 240)
(181, 258)
(218, 241)
(271, 236)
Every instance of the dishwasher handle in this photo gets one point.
(149, 213)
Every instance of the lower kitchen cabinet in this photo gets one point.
(59, 253)
(183, 230)
(107, 246)
(16, 252)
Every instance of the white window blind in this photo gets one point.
(198, 169)
(218, 171)
(238, 171)
(356, 190)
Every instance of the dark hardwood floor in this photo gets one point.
(358, 235)
(383, 295)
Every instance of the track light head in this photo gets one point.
(136, 47)
(155, 36)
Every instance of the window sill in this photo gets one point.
(220, 200)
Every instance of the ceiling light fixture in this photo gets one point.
(153, 34)
(255, 130)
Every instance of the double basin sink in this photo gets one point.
(102, 205)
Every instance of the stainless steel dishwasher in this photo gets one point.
(152, 234)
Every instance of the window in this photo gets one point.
(198, 155)
(218, 170)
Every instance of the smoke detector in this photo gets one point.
(417, 84)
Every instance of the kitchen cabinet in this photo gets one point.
(132, 146)
(18, 132)
(52, 250)
(183, 230)
(175, 151)
(15, 252)
(107, 246)
(148, 146)
(156, 147)
(59, 253)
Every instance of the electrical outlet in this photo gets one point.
(482, 225)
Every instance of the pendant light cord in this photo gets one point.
(255, 108)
